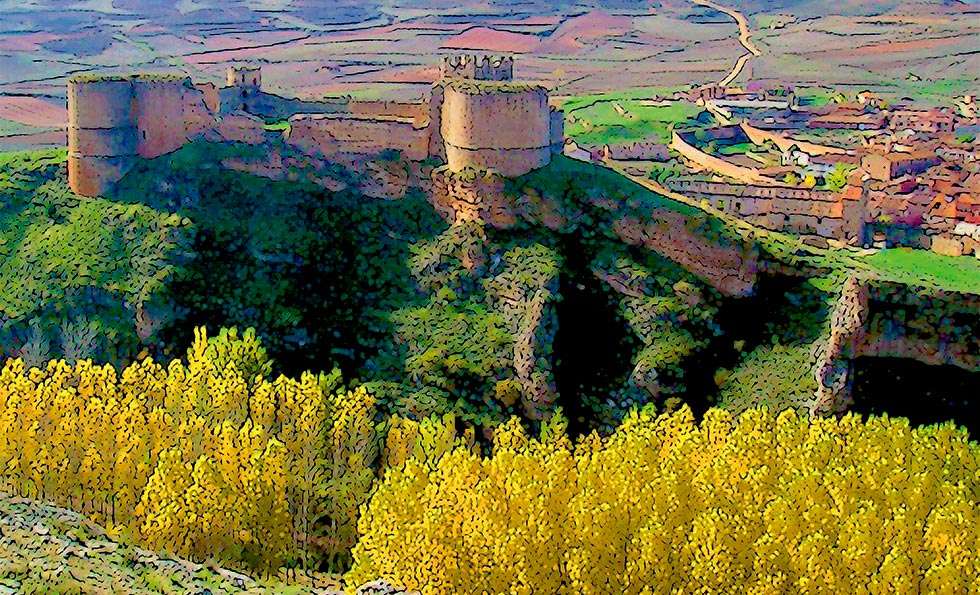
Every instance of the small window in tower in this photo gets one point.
(144, 135)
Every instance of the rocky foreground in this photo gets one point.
(45, 549)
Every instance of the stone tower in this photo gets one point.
(246, 80)
(113, 120)
(246, 77)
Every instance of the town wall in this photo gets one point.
(506, 130)
(330, 134)
(714, 164)
(759, 136)
(805, 212)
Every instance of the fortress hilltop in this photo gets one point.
(477, 117)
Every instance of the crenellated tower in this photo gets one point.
(479, 68)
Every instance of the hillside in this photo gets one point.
(46, 549)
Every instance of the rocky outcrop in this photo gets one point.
(832, 356)
(731, 269)
(471, 196)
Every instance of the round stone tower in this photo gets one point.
(503, 127)
(102, 139)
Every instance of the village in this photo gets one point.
(858, 172)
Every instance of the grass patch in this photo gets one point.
(923, 267)
(625, 116)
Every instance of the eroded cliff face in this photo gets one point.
(832, 356)
(728, 266)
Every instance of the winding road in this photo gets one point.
(744, 37)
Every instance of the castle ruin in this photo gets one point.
(114, 120)
(477, 117)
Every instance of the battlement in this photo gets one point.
(246, 76)
(481, 68)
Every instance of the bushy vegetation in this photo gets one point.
(756, 503)
(207, 458)
(78, 277)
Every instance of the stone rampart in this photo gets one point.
(557, 130)
(796, 210)
(417, 112)
(759, 136)
(682, 143)
(330, 134)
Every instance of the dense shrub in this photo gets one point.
(755, 503)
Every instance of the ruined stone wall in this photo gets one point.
(746, 175)
(330, 134)
(508, 131)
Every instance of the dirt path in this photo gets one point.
(744, 37)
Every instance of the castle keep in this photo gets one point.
(476, 118)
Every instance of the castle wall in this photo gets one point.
(418, 112)
(557, 131)
(508, 131)
(159, 116)
(100, 103)
(329, 134)
(211, 96)
(115, 119)
(199, 107)
(93, 176)
(103, 142)
(483, 68)
(437, 144)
